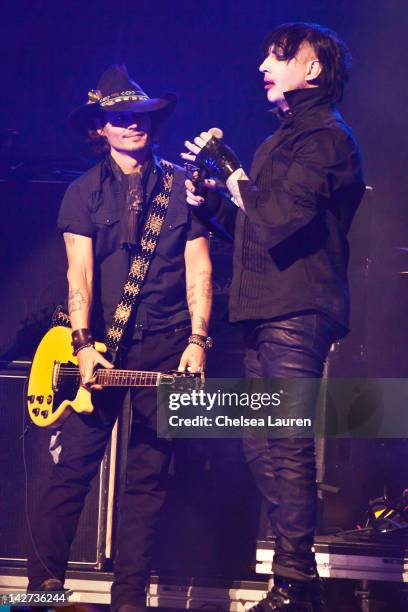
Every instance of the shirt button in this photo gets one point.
(170, 226)
(107, 221)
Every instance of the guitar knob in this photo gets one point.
(44, 413)
(36, 411)
(30, 398)
(49, 399)
(40, 399)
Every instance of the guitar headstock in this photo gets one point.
(185, 381)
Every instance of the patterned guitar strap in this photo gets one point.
(141, 262)
(139, 266)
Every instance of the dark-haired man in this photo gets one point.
(289, 286)
(131, 204)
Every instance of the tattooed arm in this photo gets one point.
(199, 284)
(199, 298)
(80, 274)
(80, 277)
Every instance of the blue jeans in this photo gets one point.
(284, 468)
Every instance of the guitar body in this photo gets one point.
(49, 404)
(54, 387)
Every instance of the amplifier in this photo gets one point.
(26, 464)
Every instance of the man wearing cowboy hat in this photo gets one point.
(103, 218)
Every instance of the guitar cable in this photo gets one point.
(27, 511)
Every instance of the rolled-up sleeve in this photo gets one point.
(217, 215)
(196, 229)
(74, 215)
(324, 160)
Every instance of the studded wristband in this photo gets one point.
(83, 346)
(204, 341)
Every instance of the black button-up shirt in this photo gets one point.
(290, 248)
(94, 206)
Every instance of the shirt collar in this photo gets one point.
(301, 101)
(110, 169)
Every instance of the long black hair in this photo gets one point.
(332, 52)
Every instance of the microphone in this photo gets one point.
(198, 182)
(216, 132)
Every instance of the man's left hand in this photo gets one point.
(193, 359)
(211, 153)
(195, 147)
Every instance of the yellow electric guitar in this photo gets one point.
(54, 386)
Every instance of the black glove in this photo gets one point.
(218, 159)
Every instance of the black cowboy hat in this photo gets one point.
(116, 91)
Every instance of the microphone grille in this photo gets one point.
(216, 132)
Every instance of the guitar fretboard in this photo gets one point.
(121, 378)
(127, 378)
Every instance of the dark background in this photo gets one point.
(208, 53)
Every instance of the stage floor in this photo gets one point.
(357, 576)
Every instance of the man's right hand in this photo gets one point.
(88, 359)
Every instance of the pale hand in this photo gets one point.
(192, 359)
(195, 147)
(196, 200)
(88, 359)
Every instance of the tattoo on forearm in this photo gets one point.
(191, 290)
(201, 323)
(75, 300)
(199, 293)
(191, 299)
(206, 284)
(191, 305)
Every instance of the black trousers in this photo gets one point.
(284, 468)
(84, 439)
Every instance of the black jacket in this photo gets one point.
(290, 248)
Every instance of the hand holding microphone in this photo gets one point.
(209, 152)
(213, 158)
(197, 182)
(199, 142)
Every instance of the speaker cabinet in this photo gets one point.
(26, 465)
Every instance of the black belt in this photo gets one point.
(140, 330)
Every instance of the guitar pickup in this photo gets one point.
(55, 375)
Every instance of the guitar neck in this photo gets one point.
(127, 378)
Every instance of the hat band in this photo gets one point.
(124, 96)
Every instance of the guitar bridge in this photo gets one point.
(55, 375)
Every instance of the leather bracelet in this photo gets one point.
(205, 342)
(200, 336)
(81, 336)
(76, 351)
